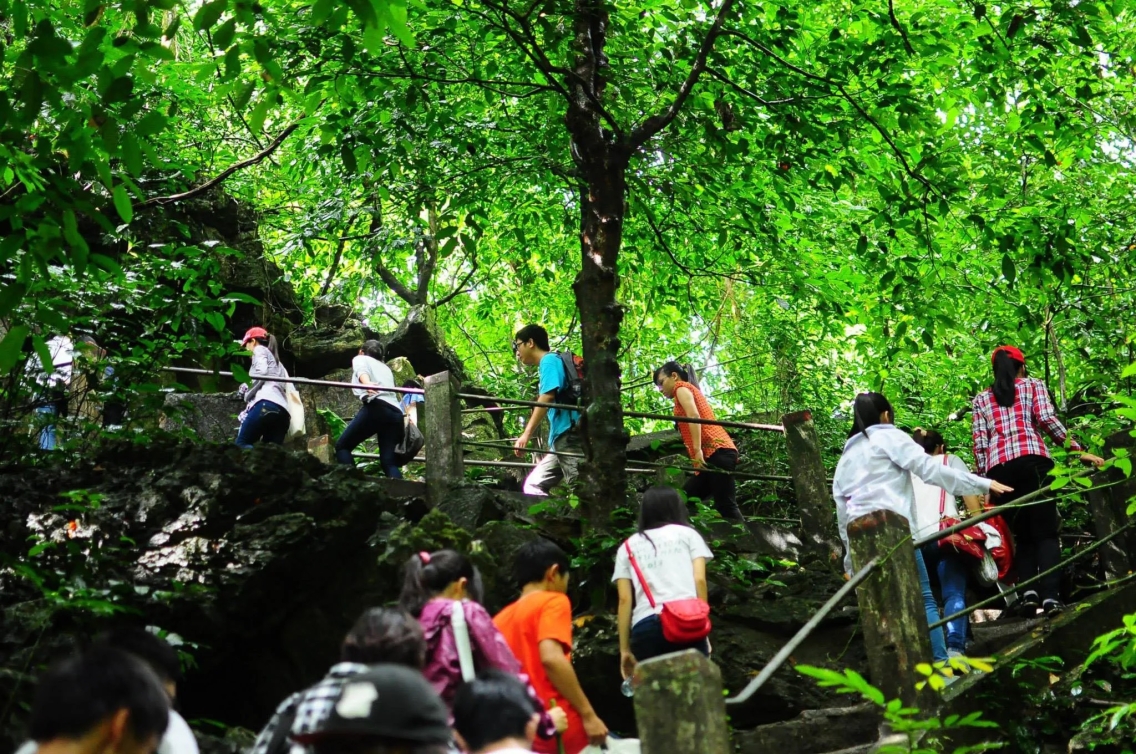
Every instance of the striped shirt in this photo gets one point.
(714, 437)
(1003, 434)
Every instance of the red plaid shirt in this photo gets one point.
(1003, 434)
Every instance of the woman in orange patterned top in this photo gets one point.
(709, 446)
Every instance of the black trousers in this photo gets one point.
(721, 487)
(1036, 546)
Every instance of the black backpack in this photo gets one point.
(573, 390)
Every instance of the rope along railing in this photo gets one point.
(476, 397)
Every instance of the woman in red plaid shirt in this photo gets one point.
(1009, 418)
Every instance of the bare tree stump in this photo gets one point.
(891, 604)
(442, 431)
(810, 482)
(679, 706)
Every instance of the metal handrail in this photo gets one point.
(779, 659)
(301, 381)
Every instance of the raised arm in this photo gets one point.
(1045, 417)
(906, 453)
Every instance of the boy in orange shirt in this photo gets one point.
(538, 628)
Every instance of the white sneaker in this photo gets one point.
(952, 653)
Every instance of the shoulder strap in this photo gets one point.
(639, 573)
(461, 639)
(943, 493)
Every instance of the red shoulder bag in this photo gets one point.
(684, 621)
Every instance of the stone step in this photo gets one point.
(814, 732)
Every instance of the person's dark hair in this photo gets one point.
(78, 693)
(866, 411)
(427, 574)
(1005, 375)
(534, 558)
(147, 647)
(385, 634)
(537, 334)
(412, 383)
(493, 707)
(671, 367)
(373, 348)
(661, 506)
(929, 439)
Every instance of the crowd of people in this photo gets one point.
(436, 674)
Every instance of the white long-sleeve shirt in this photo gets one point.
(873, 475)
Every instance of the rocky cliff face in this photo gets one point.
(261, 560)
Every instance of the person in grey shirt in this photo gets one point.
(380, 414)
(266, 417)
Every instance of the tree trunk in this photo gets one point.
(603, 479)
(601, 161)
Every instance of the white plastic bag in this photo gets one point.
(296, 425)
(987, 570)
(615, 746)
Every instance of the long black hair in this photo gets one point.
(1006, 369)
(866, 411)
(429, 573)
(270, 344)
(671, 367)
(661, 506)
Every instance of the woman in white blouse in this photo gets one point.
(873, 474)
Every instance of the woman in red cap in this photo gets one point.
(1008, 420)
(266, 416)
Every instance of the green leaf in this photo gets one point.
(209, 14)
(223, 37)
(12, 346)
(122, 204)
(1008, 270)
(259, 113)
(131, 154)
(1129, 371)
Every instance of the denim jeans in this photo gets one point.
(938, 645)
(647, 640)
(266, 422)
(951, 568)
(47, 433)
(375, 418)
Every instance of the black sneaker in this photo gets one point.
(1052, 608)
(1028, 605)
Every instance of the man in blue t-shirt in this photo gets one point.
(531, 347)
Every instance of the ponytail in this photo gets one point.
(866, 412)
(1006, 370)
(269, 342)
(427, 574)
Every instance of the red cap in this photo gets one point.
(1011, 351)
(254, 332)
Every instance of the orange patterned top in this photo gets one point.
(713, 436)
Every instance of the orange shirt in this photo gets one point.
(713, 436)
(524, 624)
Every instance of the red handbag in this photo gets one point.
(684, 621)
(969, 541)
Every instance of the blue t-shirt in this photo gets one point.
(409, 398)
(552, 379)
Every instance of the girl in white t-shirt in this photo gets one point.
(672, 557)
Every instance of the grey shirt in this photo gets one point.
(264, 364)
(377, 373)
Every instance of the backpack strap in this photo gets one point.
(461, 640)
(639, 573)
(943, 493)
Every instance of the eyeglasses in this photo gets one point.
(516, 348)
(659, 386)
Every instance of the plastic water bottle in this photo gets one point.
(626, 688)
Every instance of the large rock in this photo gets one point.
(259, 559)
(420, 340)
